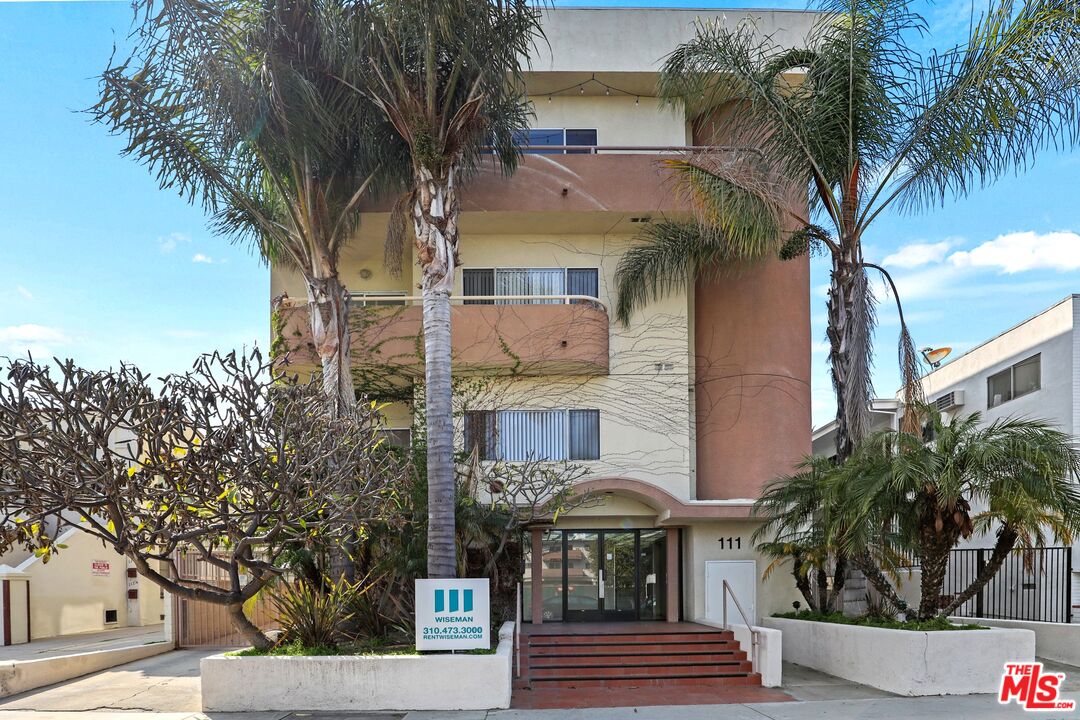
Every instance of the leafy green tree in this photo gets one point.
(900, 495)
(223, 463)
(1012, 477)
(249, 110)
(448, 76)
(858, 122)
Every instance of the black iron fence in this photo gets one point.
(1033, 584)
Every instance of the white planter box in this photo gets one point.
(906, 662)
(1053, 641)
(360, 683)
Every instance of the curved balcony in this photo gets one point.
(490, 334)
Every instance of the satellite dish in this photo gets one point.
(935, 356)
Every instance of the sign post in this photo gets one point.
(453, 614)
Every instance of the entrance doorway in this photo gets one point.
(604, 575)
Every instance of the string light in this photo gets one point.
(608, 89)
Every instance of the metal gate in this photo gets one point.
(1033, 584)
(200, 624)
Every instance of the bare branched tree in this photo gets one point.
(222, 461)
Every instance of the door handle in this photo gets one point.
(601, 586)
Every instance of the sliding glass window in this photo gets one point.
(522, 435)
(519, 285)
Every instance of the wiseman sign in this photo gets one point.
(453, 614)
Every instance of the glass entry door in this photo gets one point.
(600, 574)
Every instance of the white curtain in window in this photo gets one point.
(530, 281)
(532, 435)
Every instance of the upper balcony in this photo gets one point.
(569, 189)
(490, 334)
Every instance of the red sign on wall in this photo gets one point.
(99, 567)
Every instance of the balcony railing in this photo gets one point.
(364, 300)
(501, 334)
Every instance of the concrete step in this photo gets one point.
(713, 679)
(631, 638)
(677, 669)
(633, 648)
(640, 658)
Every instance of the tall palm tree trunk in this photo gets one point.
(435, 216)
(850, 315)
(329, 303)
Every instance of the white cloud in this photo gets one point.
(168, 244)
(36, 340)
(918, 254)
(24, 292)
(1022, 251)
(200, 258)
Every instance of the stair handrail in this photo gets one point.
(754, 634)
(517, 632)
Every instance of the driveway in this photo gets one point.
(163, 683)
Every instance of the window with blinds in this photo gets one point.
(520, 283)
(520, 435)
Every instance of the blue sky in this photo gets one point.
(97, 264)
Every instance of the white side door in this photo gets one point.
(741, 576)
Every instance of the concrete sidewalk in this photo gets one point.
(167, 687)
(967, 707)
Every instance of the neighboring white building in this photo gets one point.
(1030, 370)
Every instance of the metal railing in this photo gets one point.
(364, 300)
(1033, 584)
(517, 633)
(754, 634)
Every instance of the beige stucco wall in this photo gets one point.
(701, 543)
(619, 120)
(66, 598)
(644, 412)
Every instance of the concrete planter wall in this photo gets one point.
(360, 683)
(903, 661)
(1053, 641)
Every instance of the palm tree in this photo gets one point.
(858, 122)
(448, 76)
(1021, 471)
(799, 512)
(248, 110)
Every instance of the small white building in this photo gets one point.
(1031, 370)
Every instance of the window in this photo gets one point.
(533, 141)
(519, 435)
(361, 298)
(110, 617)
(397, 437)
(1020, 379)
(481, 282)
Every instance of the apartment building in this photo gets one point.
(678, 418)
(1031, 370)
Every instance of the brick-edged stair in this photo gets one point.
(678, 658)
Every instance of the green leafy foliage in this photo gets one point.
(935, 624)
